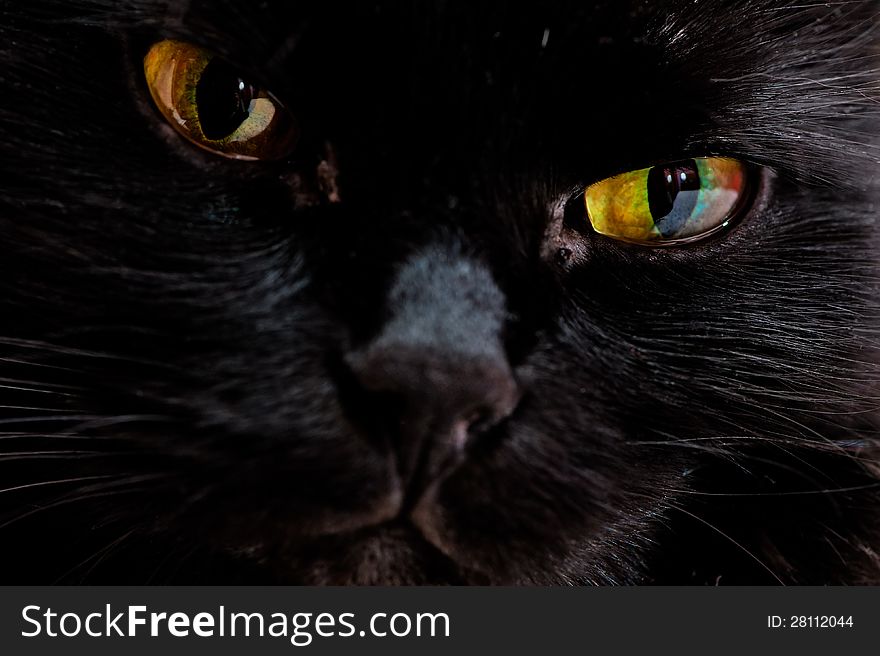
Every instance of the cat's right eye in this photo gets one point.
(214, 106)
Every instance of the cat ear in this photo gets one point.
(440, 354)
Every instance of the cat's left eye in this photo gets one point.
(669, 204)
(214, 106)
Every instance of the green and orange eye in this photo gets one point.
(214, 106)
(669, 204)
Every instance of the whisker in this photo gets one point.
(21, 386)
(41, 365)
(789, 493)
(55, 418)
(100, 554)
(111, 488)
(730, 539)
(33, 408)
(53, 436)
(58, 349)
(50, 455)
(88, 421)
(60, 481)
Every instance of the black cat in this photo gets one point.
(439, 291)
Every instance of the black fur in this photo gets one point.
(215, 371)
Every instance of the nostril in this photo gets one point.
(477, 419)
(480, 421)
(466, 429)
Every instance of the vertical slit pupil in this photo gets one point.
(673, 190)
(223, 99)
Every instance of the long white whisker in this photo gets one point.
(59, 482)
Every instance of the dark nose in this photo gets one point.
(440, 355)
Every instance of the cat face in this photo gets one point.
(398, 351)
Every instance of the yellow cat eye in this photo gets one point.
(216, 108)
(672, 203)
